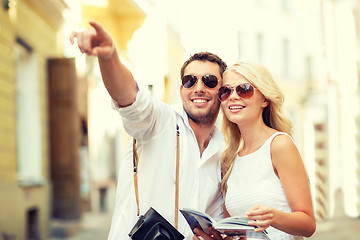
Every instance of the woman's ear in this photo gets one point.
(265, 103)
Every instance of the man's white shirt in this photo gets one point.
(153, 124)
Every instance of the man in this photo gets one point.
(153, 124)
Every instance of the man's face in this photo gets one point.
(200, 102)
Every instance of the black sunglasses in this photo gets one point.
(210, 81)
(244, 90)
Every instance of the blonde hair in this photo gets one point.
(272, 114)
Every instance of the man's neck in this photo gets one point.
(203, 134)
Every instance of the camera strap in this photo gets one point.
(135, 162)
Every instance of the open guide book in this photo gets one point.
(232, 226)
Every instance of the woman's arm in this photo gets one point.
(290, 169)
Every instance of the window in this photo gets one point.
(240, 44)
(28, 115)
(151, 88)
(286, 59)
(259, 2)
(308, 68)
(286, 5)
(259, 41)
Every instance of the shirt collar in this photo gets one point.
(217, 138)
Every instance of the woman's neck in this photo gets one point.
(254, 136)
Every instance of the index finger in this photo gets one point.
(256, 209)
(98, 28)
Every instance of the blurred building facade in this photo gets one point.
(357, 26)
(338, 91)
(29, 37)
(311, 47)
(50, 102)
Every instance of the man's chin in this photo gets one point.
(203, 118)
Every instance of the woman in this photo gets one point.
(264, 178)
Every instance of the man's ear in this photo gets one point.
(181, 87)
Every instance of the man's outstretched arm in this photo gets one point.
(118, 80)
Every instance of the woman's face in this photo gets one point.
(242, 110)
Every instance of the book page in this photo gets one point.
(197, 219)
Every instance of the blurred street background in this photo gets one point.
(61, 143)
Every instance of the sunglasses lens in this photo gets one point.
(224, 93)
(210, 81)
(188, 81)
(245, 90)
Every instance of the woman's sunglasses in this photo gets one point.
(210, 81)
(244, 90)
